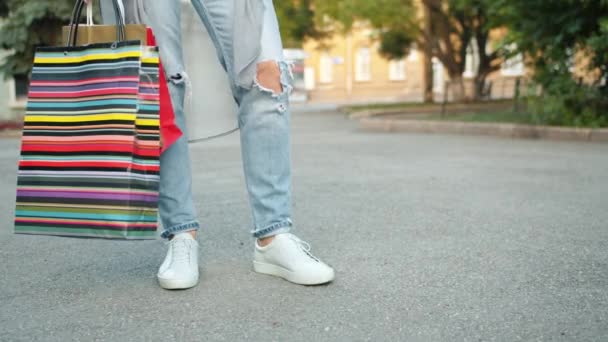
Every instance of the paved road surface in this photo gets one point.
(434, 238)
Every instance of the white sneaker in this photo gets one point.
(289, 257)
(180, 268)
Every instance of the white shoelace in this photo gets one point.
(181, 250)
(305, 246)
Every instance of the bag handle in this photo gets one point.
(90, 13)
(76, 13)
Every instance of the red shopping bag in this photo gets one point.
(168, 129)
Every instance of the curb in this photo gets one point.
(370, 113)
(505, 130)
(10, 134)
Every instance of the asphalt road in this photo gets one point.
(434, 238)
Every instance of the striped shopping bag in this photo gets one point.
(89, 163)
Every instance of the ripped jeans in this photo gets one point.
(263, 117)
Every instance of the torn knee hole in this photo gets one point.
(268, 77)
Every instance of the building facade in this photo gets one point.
(348, 68)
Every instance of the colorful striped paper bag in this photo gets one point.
(89, 162)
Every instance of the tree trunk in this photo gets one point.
(427, 77)
(457, 87)
(479, 88)
(484, 70)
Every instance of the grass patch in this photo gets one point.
(505, 116)
(413, 105)
(495, 111)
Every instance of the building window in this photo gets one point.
(471, 63)
(513, 66)
(413, 55)
(363, 65)
(309, 78)
(21, 86)
(326, 68)
(396, 70)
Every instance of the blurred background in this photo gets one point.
(539, 61)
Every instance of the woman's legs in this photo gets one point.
(264, 122)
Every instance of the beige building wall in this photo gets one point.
(342, 52)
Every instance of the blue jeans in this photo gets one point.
(263, 118)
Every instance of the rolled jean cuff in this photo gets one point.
(273, 229)
(184, 227)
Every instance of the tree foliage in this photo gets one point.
(296, 18)
(397, 21)
(557, 36)
(28, 24)
(3, 8)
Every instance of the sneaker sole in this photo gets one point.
(286, 274)
(179, 284)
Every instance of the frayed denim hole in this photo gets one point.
(282, 98)
(265, 90)
(283, 80)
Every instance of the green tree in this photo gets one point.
(554, 35)
(27, 24)
(296, 18)
(3, 8)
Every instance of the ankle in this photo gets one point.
(263, 242)
(192, 232)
